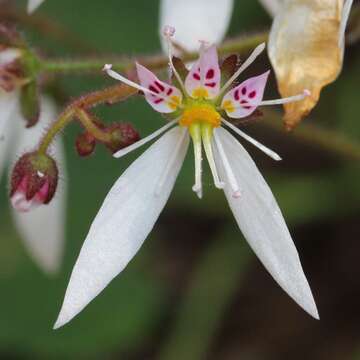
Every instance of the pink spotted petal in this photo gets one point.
(168, 96)
(205, 73)
(242, 100)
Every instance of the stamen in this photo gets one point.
(196, 137)
(171, 161)
(260, 146)
(289, 99)
(257, 51)
(207, 137)
(229, 172)
(145, 140)
(117, 76)
(169, 32)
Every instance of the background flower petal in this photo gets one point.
(206, 20)
(260, 220)
(125, 219)
(33, 4)
(8, 103)
(42, 229)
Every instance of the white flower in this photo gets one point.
(42, 229)
(200, 20)
(33, 5)
(133, 205)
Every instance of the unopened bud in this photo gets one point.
(85, 144)
(33, 181)
(122, 135)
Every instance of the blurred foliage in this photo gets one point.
(136, 313)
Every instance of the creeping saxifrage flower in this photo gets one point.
(133, 205)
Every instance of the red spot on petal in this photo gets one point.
(196, 76)
(236, 95)
(243, 102)
(158, 101)
(244, 90)
(159, 85)
(247, 107)
(252, 94)
(212, 84)
(169, 92)
(153, 89)
(210, 74)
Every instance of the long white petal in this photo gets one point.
(8, 104)
(33, 4)
(260, 219)
(205, 20)
(42, 229)
(125, 219)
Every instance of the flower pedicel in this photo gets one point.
(134, 203)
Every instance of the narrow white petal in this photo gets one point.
(262, 223)
(8, 104)
(272, 6)
(33, 4)
(125, 219)
(205, 20)
(42, 229)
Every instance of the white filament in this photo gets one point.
(145, 140)
(257, 51)
(260, 146)
(197, 188)
(229, 172)
(286, 100)
(210, 157)
(168, 33)
(117, 76)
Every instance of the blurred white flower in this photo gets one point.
(136, 200)
(199, 20)
(33, 5)
(42, 229)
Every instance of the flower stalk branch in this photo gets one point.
(77, 110)
(237, 45)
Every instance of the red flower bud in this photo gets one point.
(122, 135)
(85, 144)
(33, 181)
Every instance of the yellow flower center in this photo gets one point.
(200, 113)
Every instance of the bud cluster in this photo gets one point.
(118, 136)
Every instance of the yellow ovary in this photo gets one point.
(200, 113)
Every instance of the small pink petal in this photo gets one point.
(168, 96)
(205, 73)
(246, 97)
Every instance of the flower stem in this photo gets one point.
(236, 45)
(77, 110)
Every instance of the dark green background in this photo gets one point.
(317, 191)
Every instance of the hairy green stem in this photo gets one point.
(236, 45)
